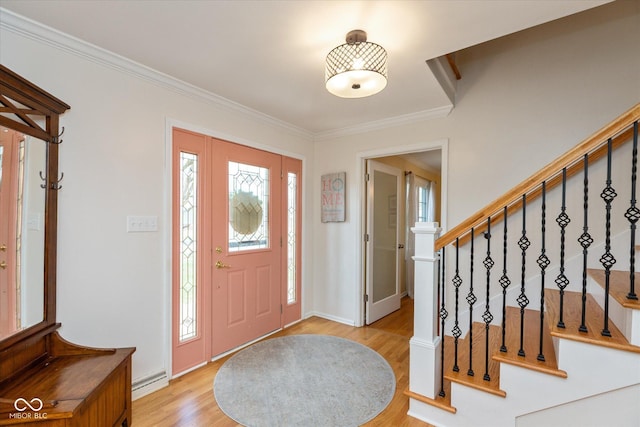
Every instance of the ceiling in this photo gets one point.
(269, 56)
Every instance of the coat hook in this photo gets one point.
(42, 177)
(56, 185)
(56, 139)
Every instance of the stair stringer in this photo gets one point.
(592, 370)
(589, 412)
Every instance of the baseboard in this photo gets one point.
(348, 322)
(149, 384)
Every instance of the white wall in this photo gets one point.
(113, 286)
(522, 101)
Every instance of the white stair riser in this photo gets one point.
(627, 320)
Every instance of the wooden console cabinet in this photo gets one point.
(66, 385)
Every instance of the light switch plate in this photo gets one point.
(138, 223)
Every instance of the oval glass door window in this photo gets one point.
(246, 212)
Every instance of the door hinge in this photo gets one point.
(281, 309)
(280, 241)
(366, 237)
(366, 177)
(366, 298)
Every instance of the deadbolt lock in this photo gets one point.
(218, 249)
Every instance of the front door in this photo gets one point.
(382, 266)
(246, 237)
(236, 256)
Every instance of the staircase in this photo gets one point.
(520, 318)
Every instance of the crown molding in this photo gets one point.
(406, 119)
(36, 31)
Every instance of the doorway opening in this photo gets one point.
(388, 241)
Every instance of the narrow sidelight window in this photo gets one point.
(188, 246)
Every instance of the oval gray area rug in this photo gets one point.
(304, 380)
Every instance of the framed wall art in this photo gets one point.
(332, 202)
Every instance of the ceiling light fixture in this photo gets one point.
(357, 68)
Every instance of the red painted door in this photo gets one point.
(246, 236)
(236, 246)
(9, 145)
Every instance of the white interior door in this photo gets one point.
(382, 266)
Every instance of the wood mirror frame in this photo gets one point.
(23, 106)
(72, 385)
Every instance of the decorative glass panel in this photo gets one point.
(21, 320)
(248, 207)
(292, 191)
(188, 248)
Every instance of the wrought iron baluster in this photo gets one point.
(443, 316)
(563, 220)
(487, 316)
(456, 332)
(607, 259)
(471, 300)
(523, 301)
(504, 281)
(585, 241)
(633, 215)
(543, 263)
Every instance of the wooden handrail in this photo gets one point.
(593, 146)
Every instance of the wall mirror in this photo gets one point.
(29, 183)
(22, 209)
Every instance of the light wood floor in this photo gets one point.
(189, 400)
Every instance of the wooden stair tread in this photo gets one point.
(439, 402)
(572, 320)
(618, 286)
(476, 381)
(531, 344)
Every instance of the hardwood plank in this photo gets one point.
(594, 321)
(531, 343)
(618, 286)
(443, 403)
(189, 400)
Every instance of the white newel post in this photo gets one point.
(424, 346)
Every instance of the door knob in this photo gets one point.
(3, 265)
(220, 264)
